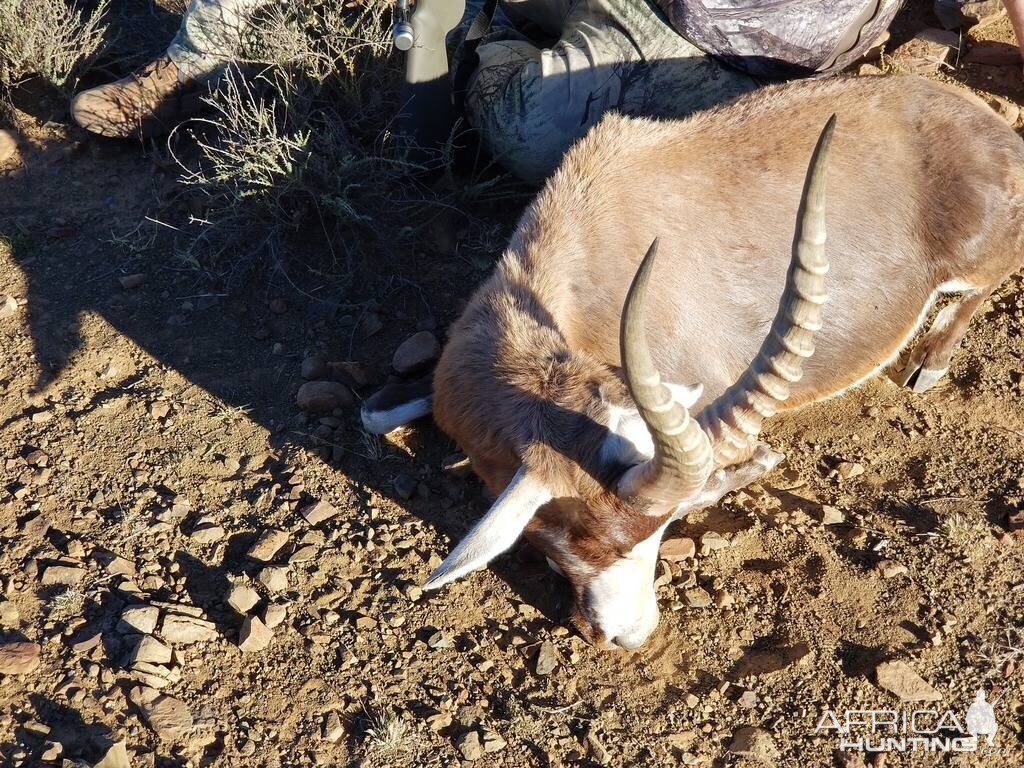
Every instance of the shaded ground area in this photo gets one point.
(150, 440)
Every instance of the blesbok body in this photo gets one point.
(593, 458)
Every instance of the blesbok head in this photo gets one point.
(592, 463)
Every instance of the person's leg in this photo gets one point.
(169, 89)
(530, 105)
(210, 36)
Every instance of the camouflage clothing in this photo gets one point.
(530, 103)
(782, 38)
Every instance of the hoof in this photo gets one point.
(919, 379)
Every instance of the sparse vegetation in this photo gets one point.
(388, 734)
(298, 139)
(50, 38)
(67, 604)
(961, 532)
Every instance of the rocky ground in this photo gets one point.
(204, 561)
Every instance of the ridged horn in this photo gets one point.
(734, 419)
(682, 457)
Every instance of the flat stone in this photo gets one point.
(150, 650)
(242, 597)
(755, 744)
(18, 658)
(899, 678)
(831, 515)
(185, 630)
(86, 642)
(274, 578)
(9, 614)
(254, 635)
(469, 746)
(890, 569)
(131, 282)
(68, 575)
(274, 614)
(207, 534)
(416, 353)
(547, 658)
(323, 396)
(492, 740)
(334, 729)
(116, 756)
(697, 598)
(268, 545)
(677, 550)
(313, 367)
(139, 619)
(712, 542)
(168, 717)
(319, 512)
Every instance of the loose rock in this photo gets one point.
(314, 367)
(953, 14)
(677, 550)
(274, 578)
(831, 515)
(254, 635)
(139, 619)
(268, 545)
(334, 729)
(890, 569)
(185, 630)
(547, 658)
(755, 744)
(469, 745)
(415, 353)
(130, 282)
(899, 678)
(317, 513)
(115, 757)
(168, 717)
(150, 650)
(68, 575)
(18, 658)
(323, 396)
(242, 597)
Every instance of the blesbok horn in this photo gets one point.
(734, 419)
(682, 457)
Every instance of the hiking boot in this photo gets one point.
(148, 102)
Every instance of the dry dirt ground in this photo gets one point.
(150, 440)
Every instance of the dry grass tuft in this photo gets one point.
(388, 734)
(298, 143)
(49, 38)
(66, 605)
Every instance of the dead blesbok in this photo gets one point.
(585, 431)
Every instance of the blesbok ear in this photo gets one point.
(398, 404)
(496, 531)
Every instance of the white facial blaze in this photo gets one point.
(619, 602)
(630, 441)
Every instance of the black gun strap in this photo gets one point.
(466, 58)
